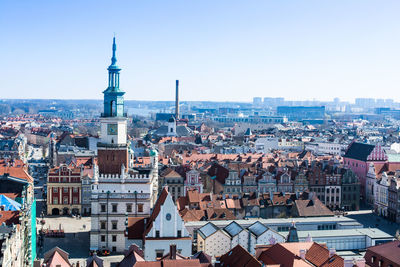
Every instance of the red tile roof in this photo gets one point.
(9, 217)
(288, 254)
(156, 209)
(311, 208)
(16, 169)
(136, 227)
(389, 252)
(319, 256)
(239, 257)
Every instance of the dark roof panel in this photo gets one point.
(359, 151)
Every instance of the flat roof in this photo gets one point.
(374, 233)
(278, 221)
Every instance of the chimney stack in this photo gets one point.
(332, 252)
(172, 251)
(177, 100)
(302, 254)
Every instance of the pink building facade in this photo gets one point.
(358, 157)
(193, 181)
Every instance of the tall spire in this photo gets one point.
(113, 96)
(114, 48)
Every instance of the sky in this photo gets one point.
(220, 50)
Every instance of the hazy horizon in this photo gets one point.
(219, 50)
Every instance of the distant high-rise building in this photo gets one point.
(273, 101)
(257, 101)
(298, 113)
(365, 102)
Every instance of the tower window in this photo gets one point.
(113, 108)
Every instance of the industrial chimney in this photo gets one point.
(177, 100)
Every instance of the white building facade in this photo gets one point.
(381, 195)
(166, 227)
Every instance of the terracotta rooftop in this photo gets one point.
(388, 251)
(239, 257)
(9, 217)
(312, 208)
(136, 227)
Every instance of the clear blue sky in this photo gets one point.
(218, 49)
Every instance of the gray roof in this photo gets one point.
(373, 233)
(276, 221)
(393, 157)
(207, 230)
(180, 131)
(257, 228)
(6, 144)
(233, 228)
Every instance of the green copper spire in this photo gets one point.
(114, 48)
(113, 96)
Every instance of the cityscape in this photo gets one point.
(112, 181)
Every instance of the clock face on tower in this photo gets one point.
(112, 129)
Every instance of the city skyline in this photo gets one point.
(225, 51)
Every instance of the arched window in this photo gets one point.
(113, 108)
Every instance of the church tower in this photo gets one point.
(112, 148)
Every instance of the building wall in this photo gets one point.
(116, 138)
(168, 228)
(240, 239)
(151, 247)
(217, 244)
(267, 238)
(381, 198)
(360, 168)
(63, 196)
(111, 160)
(121, 192)
(333, 196)
(11, 238)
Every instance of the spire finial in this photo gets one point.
(114, 48)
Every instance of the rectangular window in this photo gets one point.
(75, 189)
(114, 238)
(114, 225)
(114, 249)
(157, 233)
(103, 208)
(103, 225)
(114, 207)
(128, 207)
(103, 238)
(55, 200)
(55, 190)
(140, 207)
(65, 189)
(179, 233)
(159, 253)
(75, 200)
(65, 200)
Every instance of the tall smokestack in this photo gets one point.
(177, 100)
